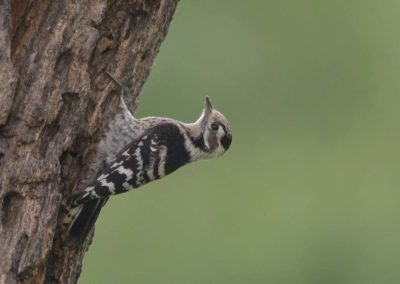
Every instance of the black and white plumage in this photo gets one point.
(137, 151)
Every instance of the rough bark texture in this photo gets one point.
(55, 102)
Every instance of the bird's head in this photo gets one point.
(212, 132)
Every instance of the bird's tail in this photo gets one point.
(79, 220)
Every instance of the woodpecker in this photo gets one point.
(134, 152)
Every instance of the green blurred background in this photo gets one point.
(310, 190)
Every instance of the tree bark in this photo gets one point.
(55, 102)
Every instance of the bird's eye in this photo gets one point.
(214, 126)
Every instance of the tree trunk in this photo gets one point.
(55, 102)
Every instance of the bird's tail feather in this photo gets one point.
(82, 219)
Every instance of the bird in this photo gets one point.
(136, 151)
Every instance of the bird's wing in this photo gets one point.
(137, 164)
